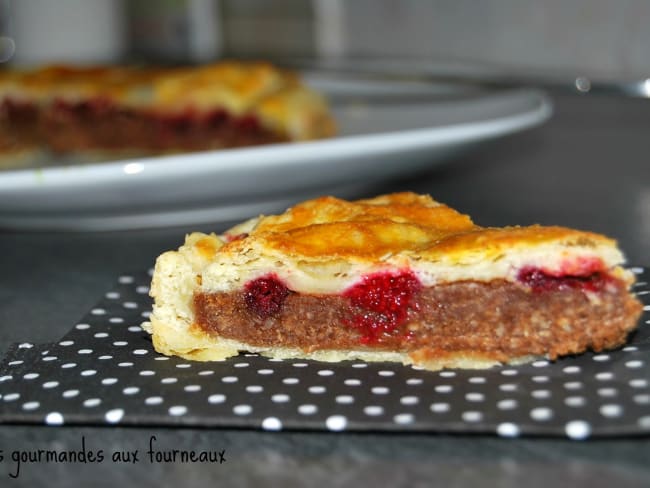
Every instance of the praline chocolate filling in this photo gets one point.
(548, 316)
(100, 124)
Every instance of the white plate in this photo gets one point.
(397, 131)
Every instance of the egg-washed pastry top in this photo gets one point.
(398, 277)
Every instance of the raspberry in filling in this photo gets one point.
(539, 280)
(265, 296)
(380, 304)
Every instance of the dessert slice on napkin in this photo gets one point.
(398, 277)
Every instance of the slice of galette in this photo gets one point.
(398, 277)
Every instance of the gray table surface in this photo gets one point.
(588, 168)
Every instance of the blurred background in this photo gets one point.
(597, 38)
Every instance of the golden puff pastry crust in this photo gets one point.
(398, 277)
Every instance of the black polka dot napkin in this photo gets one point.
(105, 371)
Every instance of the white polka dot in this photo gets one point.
(116, 320)
(10, 397)
(317, 389)
(92, 402)
(386, 372)
(25, 345)
(68, 365)
(216, 398)
(161, 358)
(177, 410)
(50, 358)
(577, 429)
(168, 381)
(541, 414)
(477, 380)
(30, 376)
(325, 372)
(98, 311)
(275, 360)
(571, 369)
(88, 372)
(307, 409)
(100, 335)
(16, 363)
(611, 410)
(352, 382)
(192, 388)
(271, 423)
(299, 365)
(440, 407)
(242, 409)
(130, 305)
(507, 404)
(109, 381)
(265, 371)
(359, 365)
(147, 372)
(125, 364)
(206, 372)
(373, 410)
(336, 423)
(291, 381)
(134, 328)
(443, 388)
(154, 400)
(125, 280)
(643, 399)
(541, 379)
(140, 352)
(82, 326)
(573, 385)
(114, 416)
(105, 357)
(31, 406)
(254, 388)
(70, 393)
(130, 390)
(472, 416)
(230, 379)
(54, 418)
(404, 418)
(540, 364)
(604, 376)
(475, 397)
(142, 290)
(639, 383)
(447, 374)
(380, 390)
(345, 399)
(113, 295)
(607, 392)
(601, 357)
(540, 394)
(85, 351)
(120, 343)
(630, 348)
(66, 343)
(508, 429)
(241, 365)
(575, 401)
(409, 400)
(509, 372)
(634, 364)
(644, 422)
(280, 398)
(508, 387)
(414, 381)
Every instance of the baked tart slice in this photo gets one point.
(398, 277)
(68, 109)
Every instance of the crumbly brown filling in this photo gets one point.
(500, 319)
(99, 124)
